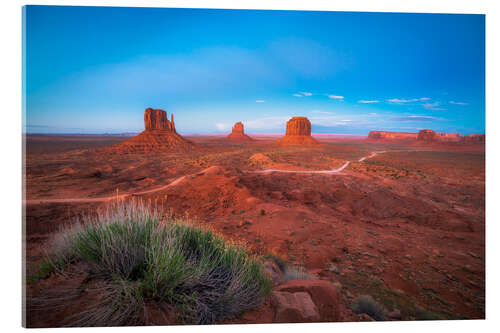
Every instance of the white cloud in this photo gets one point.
(223, 126)
(433, 106)
(401, 101)
(302, 94)
(368, 102)
(336, 97)
(319, 111)
(260, 101)
(372, 114)
(458, 103)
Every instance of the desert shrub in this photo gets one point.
(144, 258)
(366, 304)
(295, 273)
(43, 271)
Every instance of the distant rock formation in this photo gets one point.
(159, 135)
(474, 139)
(449, 137)
(423, 136)
(383, 135)
(298, 132)
(238, 133)
(427, 135)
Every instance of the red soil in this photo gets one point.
(405, 226)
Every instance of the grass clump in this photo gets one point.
(141, 258)
(44, 270)
(366, 304)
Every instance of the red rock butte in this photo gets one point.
(298, 132)
(159, 135)
(238, 133)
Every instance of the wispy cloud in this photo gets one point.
(368, 102)
(416, 118)
(260, 101)
(336, 97)
(412, 100)
(458, 103)
(302, 94)
(433, 106)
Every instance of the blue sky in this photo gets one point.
(95, 70)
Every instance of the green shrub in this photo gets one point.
(366, 304)
(143, 258)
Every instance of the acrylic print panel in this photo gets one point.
(196, 166)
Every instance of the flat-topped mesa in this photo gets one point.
(156, 119)
(298, 132)
(474, 138)
(238, 133)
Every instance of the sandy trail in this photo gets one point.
(104, 199)
(178, 180)
(332, 171)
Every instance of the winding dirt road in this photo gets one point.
(178, 180)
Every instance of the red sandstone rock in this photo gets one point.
(427, 135)
(298, 126)
(474, 138)
(238, 133)
(294, 307)
(449, 137)
(156, 119)
(324, 295)
(298, 132)
(159, 135)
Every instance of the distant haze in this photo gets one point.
(94, 70)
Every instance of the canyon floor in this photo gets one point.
(402, 222)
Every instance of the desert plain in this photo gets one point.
(400, 220)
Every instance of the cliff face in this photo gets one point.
(298, 132)
(156, 119)
(238, 133)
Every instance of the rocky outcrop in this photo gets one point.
(159, 135)
(238, 133)
(427, 135)
(298, 132)
(383, 135)
(295, 307)
(324, 295)
(156, 119)
(474, 139)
